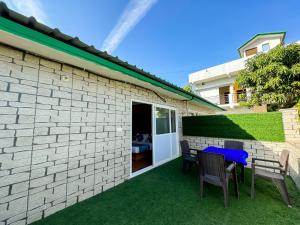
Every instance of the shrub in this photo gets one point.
(273, 77)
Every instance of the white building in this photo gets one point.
(217, 84)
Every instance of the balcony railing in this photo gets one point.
(231, 98)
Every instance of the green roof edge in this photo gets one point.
(33, 35)
(261, 34)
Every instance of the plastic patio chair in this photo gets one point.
(237, 145)
(276, 177)
(189, 158)
(212, 169)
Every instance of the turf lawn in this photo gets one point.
(249, 126)
(167, 196)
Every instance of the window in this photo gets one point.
(162, 121)
(266, 47)
(173, 121)
(251, 51)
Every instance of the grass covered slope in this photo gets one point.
(166, 196)
(251, 126)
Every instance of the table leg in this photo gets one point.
(235, 181)
(242, 173)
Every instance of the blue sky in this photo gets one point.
(169, 38)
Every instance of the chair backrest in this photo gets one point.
(185, 148)
(212, 164)
(237, 145)
(284, 160)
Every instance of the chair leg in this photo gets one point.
(225, 192)
(190, 164)
(184, 165)
(280, 184)
(242, 173)
(235, 183)
(201, 187)
(253, 186)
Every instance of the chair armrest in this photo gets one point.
(264, 160)
(231, 167)
(190, 154)
(193, 149)
(193, 154)
(268, 167)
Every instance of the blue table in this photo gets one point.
(232, 155)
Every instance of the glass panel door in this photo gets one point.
(162, 136)
(162, 121)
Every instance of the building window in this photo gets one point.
(251, 51)
(266, 47)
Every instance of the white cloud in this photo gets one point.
(29, 8)
(132, 15)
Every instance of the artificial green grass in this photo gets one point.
(251, 126)
(166, 196)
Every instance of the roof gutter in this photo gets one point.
(35, 36)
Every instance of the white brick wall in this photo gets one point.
(291, 124)
(58, 138)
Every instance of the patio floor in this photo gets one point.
(166, 196)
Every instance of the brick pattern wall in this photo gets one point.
(294, 162)
(58, 139)
(291, 124)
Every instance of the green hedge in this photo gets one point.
(251, 126)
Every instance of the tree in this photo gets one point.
(297, 106)
(188, 88)
(273, 77)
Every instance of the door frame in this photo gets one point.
(177, 134)
(153, 105)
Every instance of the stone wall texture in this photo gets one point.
(58, 139)
(291, 124)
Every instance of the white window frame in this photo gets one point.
(265, 44)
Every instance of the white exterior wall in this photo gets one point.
(209, 85)
(218, 72)
(273, 42)
(60, 141)
(211, 94)
(210, 89)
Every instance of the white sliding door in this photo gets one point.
(165, 134)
